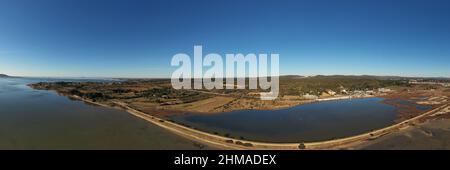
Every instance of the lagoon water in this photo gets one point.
(38, 119)
(304, 123)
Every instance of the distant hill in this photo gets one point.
(4, 75)
(370, 77)
(7, 76)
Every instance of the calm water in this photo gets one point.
(35, 119)
(305, 123)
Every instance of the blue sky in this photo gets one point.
(137, 38)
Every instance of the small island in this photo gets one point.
(4, 75)
(8, 76)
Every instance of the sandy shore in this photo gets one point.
(231, 143)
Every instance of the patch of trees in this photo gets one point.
(318, 84)
(93, 96)
(161, 95)
(387, 83)
(301, 146)
(75, 92)
(120, 90)
(62, 83)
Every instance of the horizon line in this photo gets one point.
(130, 77)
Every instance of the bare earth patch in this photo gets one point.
(209, 105)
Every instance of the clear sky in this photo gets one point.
(137, 38)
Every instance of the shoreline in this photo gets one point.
(231, 143)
